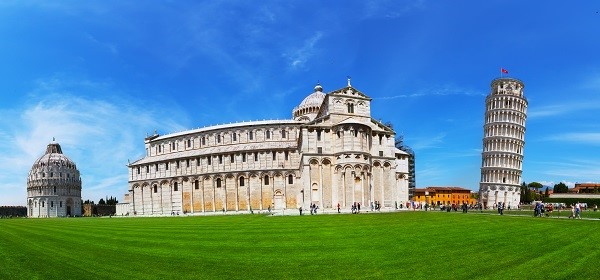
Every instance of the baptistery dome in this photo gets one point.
(53, 185)
(309, 108)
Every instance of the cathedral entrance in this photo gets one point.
(315, 197)
(278, 199)
(69, 206)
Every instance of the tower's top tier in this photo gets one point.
(507, 86)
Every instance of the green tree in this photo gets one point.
(535, 185)
(561, 188)
(101, 202)
(547, 192)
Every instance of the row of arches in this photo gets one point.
(503, 161)
(44, 207)
(491, 198)
(53, 190)
(214, 193)
(503, 145)
(507, 130)
(505, 116)
(306, 110)
(506, 102)
(220, 138)
(501, 176)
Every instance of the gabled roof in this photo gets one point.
(345, 89)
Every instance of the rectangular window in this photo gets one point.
(380, 153)
(274, 156)
(234, 136)
(287, 155)
(175, 187)
(251, 135)
(138, 170)
(147, 169)
(187, 162)
(231, 157)
(220, 159)
(51, 203)
(243, 157)
(197, 161)
(218, 138)
(177, 164)
(159, 148)
(196, 184)
(156, 167)
(189, 143)
(319, 150)
(255, 156)
(283, 133)
(208, 160)
(166, 166)
(60, 203)
(203, 140)
(268, 134)
(319, 135)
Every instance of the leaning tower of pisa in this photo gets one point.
(503, 143)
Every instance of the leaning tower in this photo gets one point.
(503, 142)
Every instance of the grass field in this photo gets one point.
(416, 245)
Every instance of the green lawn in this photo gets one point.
(414, 245)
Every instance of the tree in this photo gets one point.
(101, 202)
(535, 185)
(547, 192)
(561, 188)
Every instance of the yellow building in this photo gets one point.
(444, 196)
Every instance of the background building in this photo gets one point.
(444, 196)
(332, 152)
(53, 185)
(503, 143)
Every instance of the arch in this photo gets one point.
(326, 161)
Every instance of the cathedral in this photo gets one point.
(331, 152)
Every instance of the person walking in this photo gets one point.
(338, 207)
(577, 211)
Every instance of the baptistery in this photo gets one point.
(53, 185)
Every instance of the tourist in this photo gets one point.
(572, 215)
(338, 207)
(577, 211)
(358, 205)
(300, 209)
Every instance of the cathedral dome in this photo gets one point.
(54, 185)
(308, 109)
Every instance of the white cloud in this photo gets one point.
(436, 91)
(298, 57)
(592, 138)
(428, 142)
(99, 135)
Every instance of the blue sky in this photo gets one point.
(99, 75)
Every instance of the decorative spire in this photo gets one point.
(349, 78)
(318, 87)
